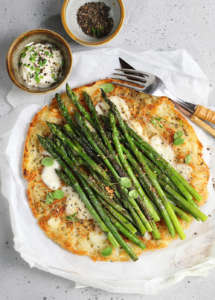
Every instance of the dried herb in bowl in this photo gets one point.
(94, 19)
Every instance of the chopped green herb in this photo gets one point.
(49, 198)
(42, 62)
(53, 76)
(23, 54)
(107, 87)
(153, 121)
(72, 218)
(156, 121)
(106, 251)
(32, 58)
(178, 140)
(36, 77)
(32, 68)
(133, 194)
(58, 194)
(47, 161)
(126, 182)
(27, 48)
(47, 53)
(178, 134)
(188, 159)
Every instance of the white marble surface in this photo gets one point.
(150, 24)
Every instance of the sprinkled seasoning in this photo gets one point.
(41, 64)
(94, 20)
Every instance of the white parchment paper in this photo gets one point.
(154, 270)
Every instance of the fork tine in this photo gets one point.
(185, 105)
(134, 72)
(121, 77)
(127, 85)
(187, 108)
(131, 77)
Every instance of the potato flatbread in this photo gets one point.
(156, 120)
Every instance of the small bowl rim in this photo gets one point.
(92, 44)
(17, 41)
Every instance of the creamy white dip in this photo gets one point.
(41, 64)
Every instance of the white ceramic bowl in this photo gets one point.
(69, 20)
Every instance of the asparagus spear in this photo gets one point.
(78, 105)
(165, 166)
(77, 149)
(73, 182)
(126, 165)
(107, 220)
(123, 191)
(63, 110)
(151, 213)
(126, 233)
(118, 216)
(99, 127)
(149, 173)
(151, 191)
(60, 150)
(136, 214)
(181, 213)
(193, 210)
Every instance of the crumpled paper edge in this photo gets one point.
(145, 285)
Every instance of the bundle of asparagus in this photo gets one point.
(124, 183)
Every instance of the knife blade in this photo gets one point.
(124, 64)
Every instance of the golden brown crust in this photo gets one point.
(77, 237)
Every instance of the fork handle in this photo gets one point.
(205, 113)
(203, 125)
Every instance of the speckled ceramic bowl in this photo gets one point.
(37, 35)
(69, 20)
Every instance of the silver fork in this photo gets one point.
(152, 84)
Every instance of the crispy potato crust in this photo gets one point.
(84, 237)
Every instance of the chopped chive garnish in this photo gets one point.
(47, 161)
(23, 54)
(107, 87)
(106, 251)
(178, 140)
(49, 198)
(72, 218)
(188, 158)
(58, 194)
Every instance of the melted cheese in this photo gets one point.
(54, 223)
(121, 106)
(137, 127)
(147, 236)
(168, 153)
(102, 108)
(184, 170)
(97, 239)
(74, 205)
(49, 176)
(162, 148)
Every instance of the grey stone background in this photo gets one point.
(150, 24)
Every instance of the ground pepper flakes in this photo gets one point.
(94, 20)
